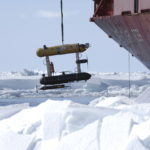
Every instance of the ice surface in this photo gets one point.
(90, 139)
(23, 84)
(135, 144)
(116, 130)
(109, 120)
(144, 97)
(65, 125)
(10, 110)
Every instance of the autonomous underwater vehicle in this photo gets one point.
(52, 81)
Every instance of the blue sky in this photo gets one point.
(29, 24)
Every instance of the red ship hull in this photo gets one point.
(130, 31)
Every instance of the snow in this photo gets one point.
(135, 144)
(92, 115)
(10, 140)
(118, 125)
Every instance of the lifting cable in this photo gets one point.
(129, 74)
(62, 21)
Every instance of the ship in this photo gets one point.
(128, 23)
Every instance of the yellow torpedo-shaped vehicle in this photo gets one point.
(62, 49)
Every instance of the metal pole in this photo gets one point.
(49, 73)
(78, 64)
